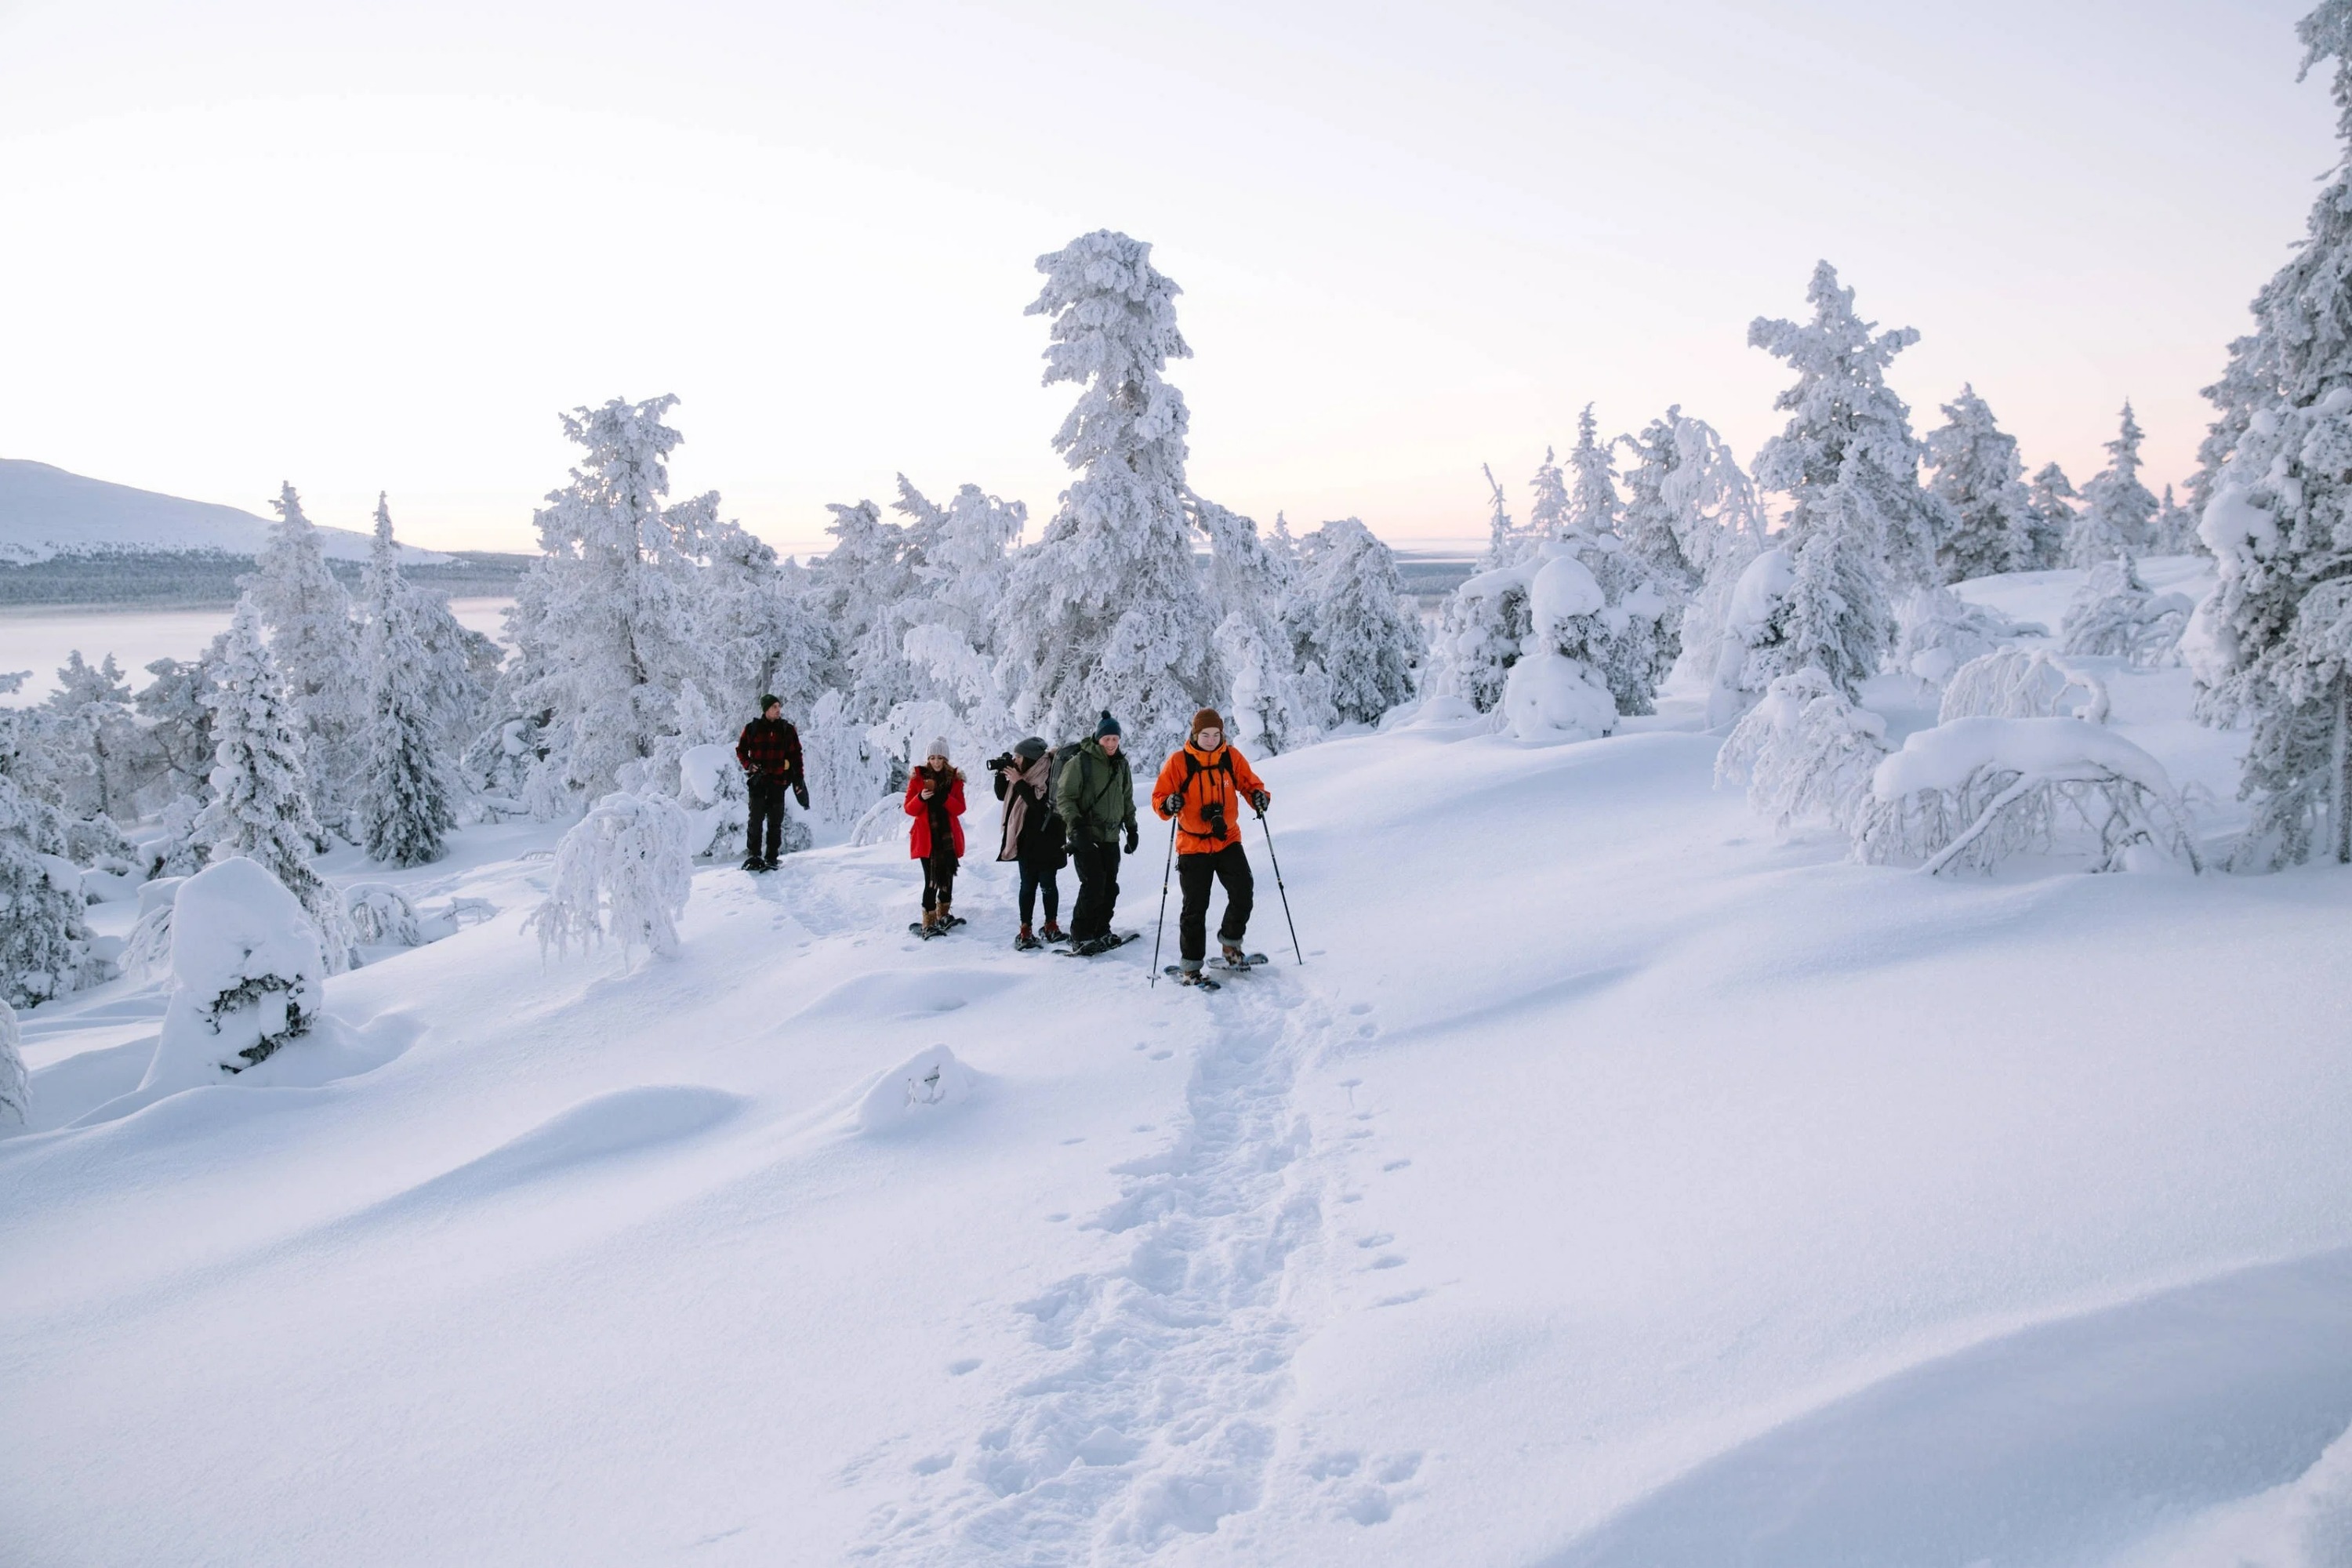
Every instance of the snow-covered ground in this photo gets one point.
(39, 638)
(1615, 1184)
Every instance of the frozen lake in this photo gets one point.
(38, 640)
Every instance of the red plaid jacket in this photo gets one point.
(769, 748)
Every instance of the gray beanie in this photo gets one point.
(1032, 749)
(939, 746)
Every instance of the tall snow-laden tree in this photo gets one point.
(2301, 348)
(2272, 643)
(405, 793)
(1593, 503)
(1108, 610)
(1276, 695)
(261, 802)
(1548, 514)
(1365, 637)
(101, 756)
(1504, 542)
(1849, 465)
(45, 942)
(2175, 529)
(2053, 518)
(2117, 519)
(178, 725)
(603, 624)
(1980, 478)
(315, 647)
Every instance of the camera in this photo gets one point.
(1213, 814)
(997, 764)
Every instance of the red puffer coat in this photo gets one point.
(920, 840)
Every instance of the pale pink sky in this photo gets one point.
(371, 247)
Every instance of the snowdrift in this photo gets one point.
(1617, 1181)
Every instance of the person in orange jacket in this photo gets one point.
(1202, 786)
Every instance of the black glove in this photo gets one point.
(800, 793)
(1133, 838)
(1258, 798)
(1171, 804)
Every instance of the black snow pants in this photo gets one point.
(1193, 874)
(1097, 868)
(767, 807)
(939, 877)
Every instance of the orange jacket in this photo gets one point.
(1222, 774)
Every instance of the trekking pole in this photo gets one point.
(1277, 861)
(1161, 928)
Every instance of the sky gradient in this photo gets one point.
(378, 248)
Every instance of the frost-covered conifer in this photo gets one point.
(1980, 476)
(1365, 637)
(2301, 348)
(261, 804)
(316, 649)
(1804, 751)
(98, 754)
(2175, 529)
(1693, 516)
(2054, 519)
(2119, 513)
(16, 1088)
(1859, 522)
(44, 939)
(945, 626)
(855, 589)
(1108, 610)
(605, 625)
(1505, 543)
(1592, 500)
(1548, 514)
(405, 796)
(1277, 695)
(178, 725)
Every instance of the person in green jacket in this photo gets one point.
(1096, 799)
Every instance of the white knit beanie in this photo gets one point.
(938, 747)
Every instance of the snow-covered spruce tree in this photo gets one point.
(99, 755)
(1108, 610)
(1276, 694)
(1859, 521)
(2175, 529)
(1505, 541)
(261, 802)
(403, 796)
(177, 723)
(1692, 515)
(1593, 503)
(315, 645)
(2054, 519)
(15, 1087)
(1365, 637)
(1980, 476)
(854, 590)
(1633, 640)
(2301, 347)
(1938, 632)
(2119, 515)
(45, 942)
(1548, 513)
(945, 625)
(1805, 752)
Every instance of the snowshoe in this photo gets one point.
(917, 928)
(1241, 960)
(1025, 942)
(1184, 976)
(1052, 936)
(753, 863)
(946, 924)
(1099, 944)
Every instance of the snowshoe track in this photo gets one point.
(1156, 1412)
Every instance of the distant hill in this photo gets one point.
(47, 512)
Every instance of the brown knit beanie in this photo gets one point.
(1206, 718)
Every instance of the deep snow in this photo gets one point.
(1615, 1184)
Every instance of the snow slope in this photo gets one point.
(1613, 1184)
(47, 511)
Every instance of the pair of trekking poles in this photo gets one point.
(1273, 860)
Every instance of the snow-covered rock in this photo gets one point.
(916, 1091)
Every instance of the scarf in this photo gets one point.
(1018, 804)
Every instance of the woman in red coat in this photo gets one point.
(935, 800)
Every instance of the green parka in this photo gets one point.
(1096, 794)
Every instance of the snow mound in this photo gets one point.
(246, 975)
(913, 1093)
(1551, 697)
(603, 1127)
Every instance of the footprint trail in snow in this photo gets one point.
(1152, 1414)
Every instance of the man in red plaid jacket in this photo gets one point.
(769, 751)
